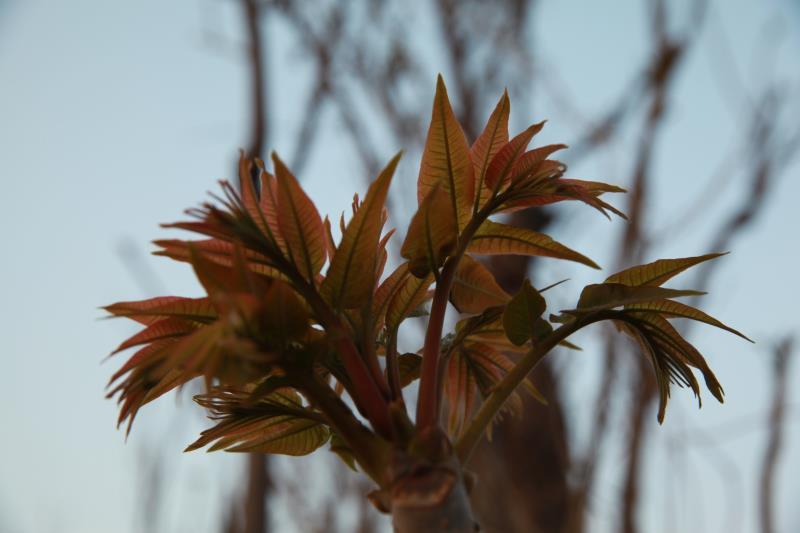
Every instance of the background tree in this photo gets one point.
(182, 102)
(381, 62)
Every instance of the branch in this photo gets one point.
(775, 440)
(502, 390)
(368, 449)
(428, 399)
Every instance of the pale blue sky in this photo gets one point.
(115, 116)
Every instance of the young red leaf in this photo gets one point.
(658, 272)
(217, 251)
(474, 288)
(431, 235)
(672, 309)
(472, 371)
(345, 285)
(262, 212)
(531, 162)
(493, 238)
(610, 295)
(445, 160)
(149, 311)
(385, 292)
(488, 143)
(282, 316)
(410, 294)
(161, 329)
(671, 354)
(300, 224)
(276, 424)
(545, 187)
(503, 162)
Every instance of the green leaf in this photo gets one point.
(345, 286)
(500, 239)
(474, 288)
(610, 295)
(521, 314)
(431, 235)
(341, 449)
(658, 272)
(445, 159)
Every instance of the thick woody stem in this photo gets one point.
(432, 499)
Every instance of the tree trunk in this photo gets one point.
(432, 499)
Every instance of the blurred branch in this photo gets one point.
(258, 96)
(782, 353)
(258, 478)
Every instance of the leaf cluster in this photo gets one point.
(296, 337)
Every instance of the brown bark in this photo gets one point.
(430, 498)
(534, 492)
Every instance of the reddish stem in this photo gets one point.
(428, 402)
